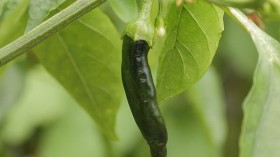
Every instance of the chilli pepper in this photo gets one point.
(141, 94)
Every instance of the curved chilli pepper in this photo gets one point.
(141, 94)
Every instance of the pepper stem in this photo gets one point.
(142, 28)
(145, 10)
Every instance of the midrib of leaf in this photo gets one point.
(180, 42)
(255, 121)
(105, 37)
(179, 21)
(177, 26)
(78, 72)
(272, 57)
(188, 51)
(199, 26)
(165, 72)
(180, 54)
(192, 60)
(264, 106)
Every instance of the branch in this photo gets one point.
(46, 29)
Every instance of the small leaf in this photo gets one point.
(127, 10)
(7, 6)
(193, 34)
(39, 10)
(260, 129)
(85, 59)
(14, 24)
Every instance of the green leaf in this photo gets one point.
(2, 71)
(196, 120)
(126, 10)
(42, 102)
(14, 24)
(193, 34)
(11, 85)
(6, 7)
(271, 10)
(85, 58)
(73, 135)
(206, 98)
(239, 3)
(234, 55)
(39, 10)
(261, 107)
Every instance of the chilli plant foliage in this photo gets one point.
(79, 42)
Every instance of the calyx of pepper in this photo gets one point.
(141, 30)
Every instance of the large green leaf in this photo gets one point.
(7, 6)
(11, 85)
(196, 122)
(193, 34)
(210, 108)
(127, 10)
(13, 24)
(2, 71)
(260, 129)
(208, 101)
(73, 135)
(39, 10)
(238, 3)
(42, 102)
(85, 59)
(271, 10)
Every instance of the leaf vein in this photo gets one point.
(265, 107)
(189, 52)
(79, 73)
(184, 67)
(165, 71)
(200, 27)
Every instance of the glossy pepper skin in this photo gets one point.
(141, 94)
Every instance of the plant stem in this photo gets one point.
(146, 10)
(245, 4)
(237, 16)
(46, 29)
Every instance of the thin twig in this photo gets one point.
(46, 29)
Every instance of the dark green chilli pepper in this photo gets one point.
(141, 94)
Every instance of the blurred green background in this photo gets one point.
(39, 119)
